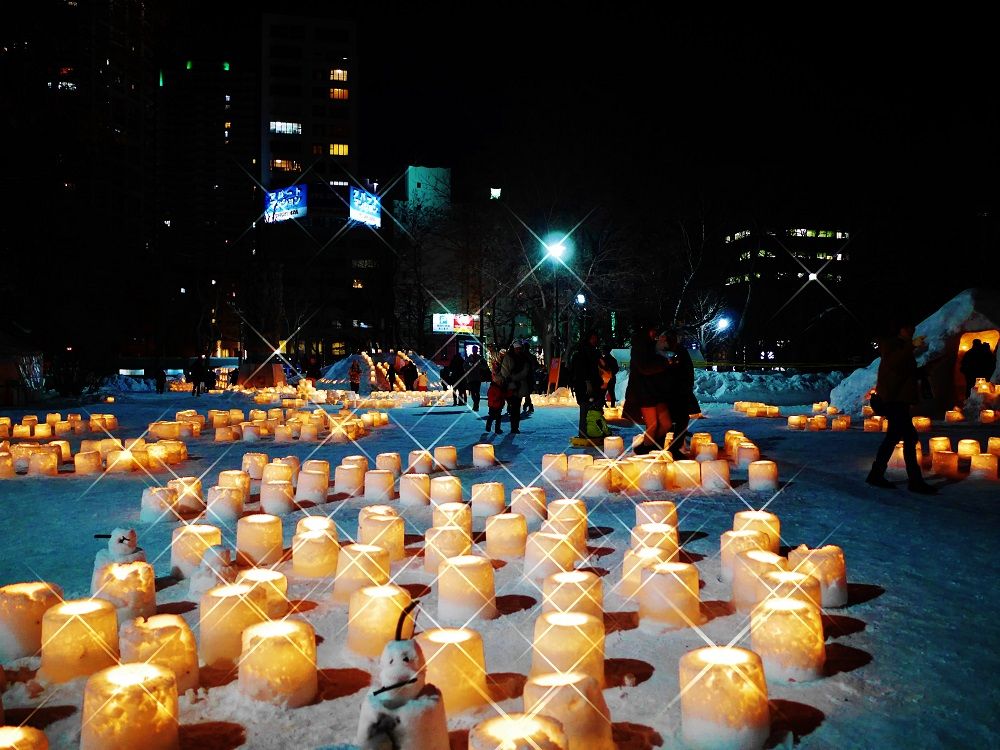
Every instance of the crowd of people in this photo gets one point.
(980, 361)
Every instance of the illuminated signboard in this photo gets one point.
(286, 203)
(365, 207)
(452, 323)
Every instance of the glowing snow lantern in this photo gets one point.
(633, 563)
(614, 446)
(787, 634)
(687, 474)
(164, 640)
(315, 553)
(259, 539)
(483, 455)
(278, 663)
(385, 531)
(420, 462)
(983, 465)
(389, 462)
(506, 535)
(723, 699)
(372, 617)
(518, 731)
(596, 480)
(446, 456)
(760, 520)
(273, 584)
(733, 542)
(238, 480)
(944, 463)
(87, 462)
(827, 564)
(668, 596)
(487, 499)
(568, 642)
(456, 664)
(225, 612)
(466, 590)
(349, 479)
(130, 706)
(545, 554)
(715, 474)
(555, 466)
(529, 502)
(577, 463)
(414, 490)
(23, 738)
(130, 587)
(22, 606)
(188, 544)
(576, 702)
(441, 542)
(791, 584)
(446, 490)
(954, 415)
(79, 637)
(359, 565)
(922, 424)
(748, 567)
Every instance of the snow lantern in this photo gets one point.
(79, 637)
(130, 705)
(827, 564)
(506, 535)
(573, 591)
(414, 490)
(576, 702)
(456, 665)
(225, 612)
(315, 552)
(760, 520)
(446, 457)
(259, 539)
(466, 590)
(487, 499)
(359, 565)
(278, 663)
(22, 606)
(787, 634)
(483, 455)
(373, 614)
(545, 554)
(164, 640)
(188, 544)
(763, 475)
(441, 542)
(529, 502)
(568, 642)
(632, 564)
(668, 596)
(748, 566)
(518, 731)
(383, 530)
(379, 485)
(274, 585)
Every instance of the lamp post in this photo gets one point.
(555, 251)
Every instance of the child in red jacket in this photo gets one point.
(496, 397)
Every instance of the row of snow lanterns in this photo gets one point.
(31, 427)
(944, 461)
(757, 409)
(559, 397)
(110, 455)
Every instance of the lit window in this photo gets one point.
(810, 233)
(286, 128)
(339, 183)
(741, 235)
(225, 66)
(317, 149)
(338, 74)
(338, 93)
(797, 232)
(357, 284)
(66, 86)
(189, 65)
(287, 165)
(228, 125)
(338, 149)
(356, 323)
(228, 98)
(338, 347)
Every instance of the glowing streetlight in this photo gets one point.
(555, 250)
(722, 324)
(813, 277)
(580, 299)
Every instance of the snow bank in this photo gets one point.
(776, 388)
(338, 374)
(127, 384)
(971, 310)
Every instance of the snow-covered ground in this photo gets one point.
(769, 387)
(912, 660)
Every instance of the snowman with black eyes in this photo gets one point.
(402, 712)
(123, 547)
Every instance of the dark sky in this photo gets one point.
(841, 110)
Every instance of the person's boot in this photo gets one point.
(877, 479)
(920, 487)
(489, 423)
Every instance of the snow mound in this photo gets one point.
(338, 373)
(776, 388)
(971, 310)
(127, 384)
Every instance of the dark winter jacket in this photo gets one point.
(585, 372)
(478, 371)
(647, 382)
(517, 372)
(680, 384)
(897, 372)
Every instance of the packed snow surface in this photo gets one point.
(773, 387)
(911, 660)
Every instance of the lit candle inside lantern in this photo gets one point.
(687, 474)
(575, 701)
(654, 474)
(79, 637)
(596, 480)
(130, 706)
(389, 462)
(21, 431)
(359, 565)
(159, 456)
(748, 567)
(130, 587)
(379, 485)
(420, 462)
(787, 634)
(763, 475)
(22, 606)
(723, 699)
(277, 471)
(986, 416)
(278, 663)
(614, 446)
(414, 490)
(573, 591)
(309, 433)
(456, 664)
(828, 565)
(632, 564)
(487, 499)
(760, 520)
(922, 424)
(259, 539)
(698, 439)
(446, 456)
(529, 502)
(224, 503)
(250, 433)
(273, 584)
(568, 642)
(867, 411)
(225, 612)
(87, 462)
(872, 424)
(282, 434)
(483, 455)
(967, 448)
(983, 465)
(446, 490)
(577, 463)
(43, 464)
(225, 434)
(315, 553)
(373, 613)
(953, 415)
(238, 480)
(188, 493)
(545, 554)
(939, 444)
(65, 454)
(349, 479)
(23, 738)
(797, 422)
(453, 514)
(441, 542)
(555, 466)
(790, 584)
(164, 640)
(506, 535)
(187, 547)
(519, 731)
(733, 542)
(385, 531)
(317, 523)
(898, 460)
(944, 463)
(746, 453)
(668, 596)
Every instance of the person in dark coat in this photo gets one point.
(610, 365)
(409, 374)
(313, 371)
(197, 376)
(515, 376)
(646, 394)
(681, 400)
(896, 390)
(161, 378)
(456, 378)
(586, 374)
(478, 373)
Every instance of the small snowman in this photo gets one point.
(402, 712)
(123, 547)
(216, 569)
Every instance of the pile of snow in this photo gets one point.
(338, 373)
(127, 384)
(971, 310)
(769, 387)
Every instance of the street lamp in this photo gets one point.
(555, 251)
